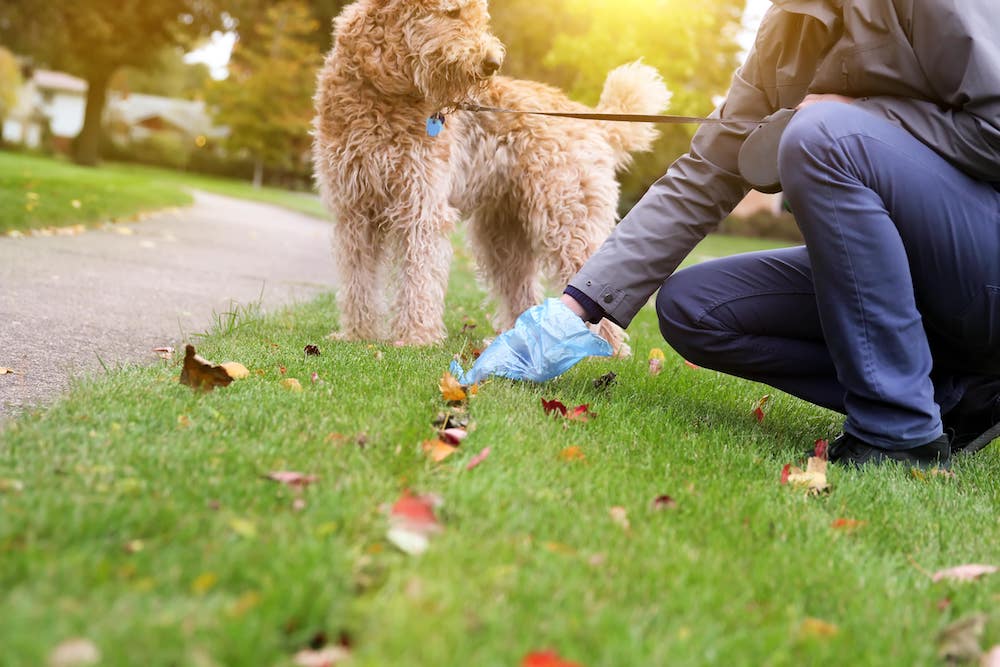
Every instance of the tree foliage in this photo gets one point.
(95, 38)
(10, 82)
(267, 100)
(168, 75)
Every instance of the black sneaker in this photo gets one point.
(975, 422)
(850, 451)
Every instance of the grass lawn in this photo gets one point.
(134, 514)
(38, 192)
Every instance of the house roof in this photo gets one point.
(187, 115)
(45, 79)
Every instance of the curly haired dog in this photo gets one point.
(539, 194)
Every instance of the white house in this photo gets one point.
(134, 117)
(48, 98)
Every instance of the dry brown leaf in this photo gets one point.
(813, 478)
(818, 628)
(236, 370)
(959, 642)
(201, 374)
(291, 478)
(451, 390)
(969, 572)
(165, 353)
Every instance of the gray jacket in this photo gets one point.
(932, 66)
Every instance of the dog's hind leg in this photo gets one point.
(357, 252)
(506, 261)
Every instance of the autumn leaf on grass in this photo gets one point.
(959, 642)
(758, 411)
(201, 374)
(7, 371)
(165, 353)
(847, 525)
(477, 459)
(553, 406)
(324, 657)
(580, 413)
(821, 450)
(453, 436)
(235, 370)
(451, 390)
(291, 478)
(546, 659)
(438, 450)
(291, 384)
(663, 502)
(813, 478)
(817, 628)
(969, 572)
(412, 522)
(692, 366)
(571, 454)
(656, 359)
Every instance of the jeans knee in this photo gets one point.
(811, 138)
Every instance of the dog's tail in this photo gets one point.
(638, 89)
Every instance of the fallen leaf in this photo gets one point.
(438, 450)
(477, 459)
(821, 450)
(291, 478)
(813, 478)
(992, 658)
(573, 453)
(847, 525)
(664, 502)
(964, 573)
(314, 378)
(183, 421)
(606, 380)
(201, 374)
(580, 413)
(6, 371)
(785, 472)
(412, 522)
(959, 642)
(758, 411)
(655, 366)
(236, 370)
(692, 366)
(620, 516)
(451, 390)
(311, 350)
(324, 657)
(546, 659)
(291, 384)
(204, 582)
(553, 406)
(165, 353)
(74, 653)
(818, 628)
(134, 546)
(243, 527)
(453, 436)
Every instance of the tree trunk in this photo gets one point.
(258, 173)
(87, 150)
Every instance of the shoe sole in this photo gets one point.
(982, 441)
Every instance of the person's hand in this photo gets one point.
(816, 98)
(546, 341)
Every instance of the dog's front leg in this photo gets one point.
(424, 260)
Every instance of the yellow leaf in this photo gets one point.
(291, 384)
(817, 628)
(657, 353)
(243, 527)
(438, 451)
(235, 370)
(573, 453)
(451, 390)
(203, 583)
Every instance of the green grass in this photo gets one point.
(37, 192)
(42, 192)
(142, 521)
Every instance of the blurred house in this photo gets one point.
(49, 108)
(133, 118)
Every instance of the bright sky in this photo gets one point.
(215, 54)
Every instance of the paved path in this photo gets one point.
(68, 303)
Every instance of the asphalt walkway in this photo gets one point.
(69, 304)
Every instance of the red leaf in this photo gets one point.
(453, 436)
(553, 406)
(664, 502)
(785, 472)
(847, 524)
(580, 413)
(758, 411)
(290, 478)
(477, 459)
(820, 449)
(417, 509)
(546, 659)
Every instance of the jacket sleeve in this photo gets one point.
(957, 47)
(697, 192)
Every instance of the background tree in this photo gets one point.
(95, 38)
(267, 100)
(167, 75)
(10, 83)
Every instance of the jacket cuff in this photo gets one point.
(608, 301)
(592, 312)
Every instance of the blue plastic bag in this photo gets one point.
(546, 341)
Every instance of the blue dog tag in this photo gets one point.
(435, 125)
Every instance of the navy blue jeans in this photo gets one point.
(890, 308)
